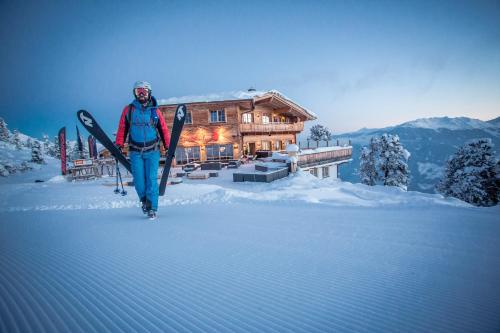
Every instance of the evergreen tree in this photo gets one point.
(4, 131)
(69, 151)
(29, 143)
(86, 153)
(24, 166)
(471, 174)
(48, 147)
(368, 163)
(45, 144)
(57, 148)
(320, 132)
(16, 140)
(3, 171)
(393, 162)
(36, 153)
(74, 152)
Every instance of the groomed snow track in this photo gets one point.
(300, 270)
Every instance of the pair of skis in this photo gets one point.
(89, 122)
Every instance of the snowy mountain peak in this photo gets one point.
(458, 123)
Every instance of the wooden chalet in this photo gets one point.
(236, 125)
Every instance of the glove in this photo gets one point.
(120, 148)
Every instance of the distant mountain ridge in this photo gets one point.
(429, 140)
(457, 123)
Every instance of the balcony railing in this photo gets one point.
(313, 158)
(272, 127)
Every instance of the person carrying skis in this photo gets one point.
(143, 124)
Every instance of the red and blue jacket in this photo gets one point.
(144, 126)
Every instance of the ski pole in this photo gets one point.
(117, 190)
(121, 182)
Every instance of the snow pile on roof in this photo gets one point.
(292, 148)
(457, 123)
(226, 96)
(214, 97)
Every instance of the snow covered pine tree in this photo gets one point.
(320, 132)
(368, 163)
(4, 131)
(57, 148)
(393, 162)
(36, 153)
(48, 149)
(471, 174)
(16, 140)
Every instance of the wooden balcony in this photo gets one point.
(272, 127)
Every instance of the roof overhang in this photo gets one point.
(276, 101)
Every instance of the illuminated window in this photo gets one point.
(219, 152)
(265, 119)
(247, 118)
(218, 116)
(266, 145)
(185, 155)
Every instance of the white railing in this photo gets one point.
(324, 156)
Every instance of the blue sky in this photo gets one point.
(354, 63)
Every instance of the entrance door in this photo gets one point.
(251, 148)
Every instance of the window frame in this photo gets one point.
(189, 118)
(244, 119)
(220, 115)
(327, 169)
(266, 119)
(212, 152)
(269, 145)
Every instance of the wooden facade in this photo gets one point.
(229, 129)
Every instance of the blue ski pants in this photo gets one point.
(145, 173)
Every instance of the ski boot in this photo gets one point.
(152, 214)
(146, 205)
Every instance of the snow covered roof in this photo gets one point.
(253, 96)
(214, 97)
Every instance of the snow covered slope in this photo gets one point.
(458, 123)
(430, 141)
(297, 255)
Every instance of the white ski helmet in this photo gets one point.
(142, 84)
